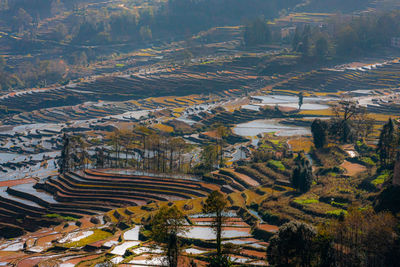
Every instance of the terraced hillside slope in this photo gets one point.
(197, 79)
(92, 192)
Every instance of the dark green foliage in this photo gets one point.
(357, 37)
(220, 261)
(388, 199)
(319, 132)
(301, 98)
(321, 48)
(292, 245)
(302, 176)
(63, 162)
(388, 144)
(262, 155)
(257, 32)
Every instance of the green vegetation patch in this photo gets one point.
(96, 236)
(276, 164)
(368, 161)
(306, 201)
(337, 213)
(58, 216)
(338, 204)
(381, 178)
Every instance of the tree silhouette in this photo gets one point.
(166, 225)
(302, 176)
(319, 132)
(292, 245)
(217, 203)
(387, 144)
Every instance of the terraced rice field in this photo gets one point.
(196, 79)
(91, 192)
(372, 77)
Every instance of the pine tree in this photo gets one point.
(318, 129)
(387, 144)
(302, 176)
(63, 162)
(301, 99)
(217, 203)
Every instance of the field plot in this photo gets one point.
(210, 78)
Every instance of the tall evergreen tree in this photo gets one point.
(296, 39)
(257, 33)
(63, 162)
(301, 99)
(216, 203)
(100, 158)
(302, 176)
(319, 132)
(387, 145)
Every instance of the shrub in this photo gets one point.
(58, 216)
(368, 161)
(276, 165)
(337, 213)
(306, 201)
(381, 178)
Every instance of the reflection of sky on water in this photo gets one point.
(257, 127)
(310, 103)
(207, 233)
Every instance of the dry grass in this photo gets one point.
(163, 128)
(301, 144)
(322, 112)
(353, 169)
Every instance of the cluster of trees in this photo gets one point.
(31, 74)
(212, 155)
(141, 148)
(389, 144)
(311, 43)
(349, 38)
(7, 79)
(80, 24)
(154, 21)
(349, 123)
(168, 224)
(175, 18)
(257, 32)
(74, 154)
(361, 238)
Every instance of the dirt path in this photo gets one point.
(353, 168)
